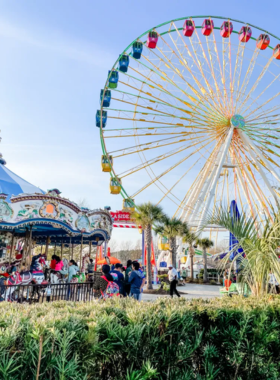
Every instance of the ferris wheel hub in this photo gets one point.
(237, 121)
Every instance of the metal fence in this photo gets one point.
(34, 293)
(82, 292)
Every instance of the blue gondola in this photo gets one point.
(123, 63)
(98, 118)
(106, 98)
(137, 49)
(113, 78)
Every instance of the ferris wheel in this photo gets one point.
(189, 118)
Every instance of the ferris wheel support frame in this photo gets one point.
(195, 192)
(216, 178)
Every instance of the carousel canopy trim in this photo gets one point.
(50, 215)
(12, 184)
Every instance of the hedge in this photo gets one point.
(230, 338)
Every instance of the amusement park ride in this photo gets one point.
(31, 218)
(190, 112)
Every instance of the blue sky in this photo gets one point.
(55, 55)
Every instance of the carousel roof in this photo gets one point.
(12, 184)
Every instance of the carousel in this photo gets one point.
(35, 225)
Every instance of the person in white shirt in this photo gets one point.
(173, 278)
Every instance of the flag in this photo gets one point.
(153, 258)
(233, 242)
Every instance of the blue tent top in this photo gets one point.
(12, 184)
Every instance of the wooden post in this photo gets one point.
(81, 254)
(12, 247)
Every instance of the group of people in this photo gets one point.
(130, 280)
(57, 265)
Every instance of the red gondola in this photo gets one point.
(152, 39)
(276, 52)
(263, 41)
(207, 27)
(226, 29)
(245, 34)
(188, 28)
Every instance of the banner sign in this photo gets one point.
(120, 216)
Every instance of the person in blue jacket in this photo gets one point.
(135, 279)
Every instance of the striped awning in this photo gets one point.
(12, 184)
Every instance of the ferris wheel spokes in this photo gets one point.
(260, 155)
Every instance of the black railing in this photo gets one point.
(82, 292)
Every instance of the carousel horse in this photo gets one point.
(77, 278)
(34, 276)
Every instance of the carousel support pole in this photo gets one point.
(12, 248)
(47, 247)
(41, 249)
(72, 254)
(61, 253)
(24, 248)
(89, 249)
(81, 253)
(105, 248)
(54, 252)
(95, 265)
(30, 247)
(70, 248)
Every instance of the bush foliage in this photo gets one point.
(230, 338)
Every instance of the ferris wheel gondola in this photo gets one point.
(193, 118)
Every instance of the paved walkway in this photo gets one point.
(192, 291)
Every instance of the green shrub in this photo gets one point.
(213, 282)
(228, 338)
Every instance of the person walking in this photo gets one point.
(120, 280)
(127, 285)
(172, 276)
(135, 279)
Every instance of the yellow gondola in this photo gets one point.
(105, 163)
(163, 243)
(128, 205)
(115, 185)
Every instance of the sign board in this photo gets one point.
(120, 216)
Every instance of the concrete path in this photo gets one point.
(192, 291)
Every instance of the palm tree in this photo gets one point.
(260, 246)
(189, 238)
(146, 215)
(170, 228)
(204, 244)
